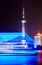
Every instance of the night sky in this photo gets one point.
(11, 16)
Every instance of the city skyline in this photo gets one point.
(11, 16)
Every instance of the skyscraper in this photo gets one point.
(38, 40)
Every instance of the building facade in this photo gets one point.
(38, 40)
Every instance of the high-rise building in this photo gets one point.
(38, 40)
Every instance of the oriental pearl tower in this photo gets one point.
(23, 28)
(23, 23)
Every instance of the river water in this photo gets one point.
(21, 60)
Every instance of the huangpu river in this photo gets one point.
(20, 60)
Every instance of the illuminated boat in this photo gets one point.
(15, 44)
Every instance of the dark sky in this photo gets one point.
(11, 16)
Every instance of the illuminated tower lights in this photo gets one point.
(23, 24)
(23, 29)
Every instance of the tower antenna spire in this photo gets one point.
(23, 10)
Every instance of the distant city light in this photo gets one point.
(39, 34)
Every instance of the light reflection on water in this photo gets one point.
(18, 60)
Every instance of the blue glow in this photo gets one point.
(14, 37)
(20, 60)
(14, 59)
(8, 36)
